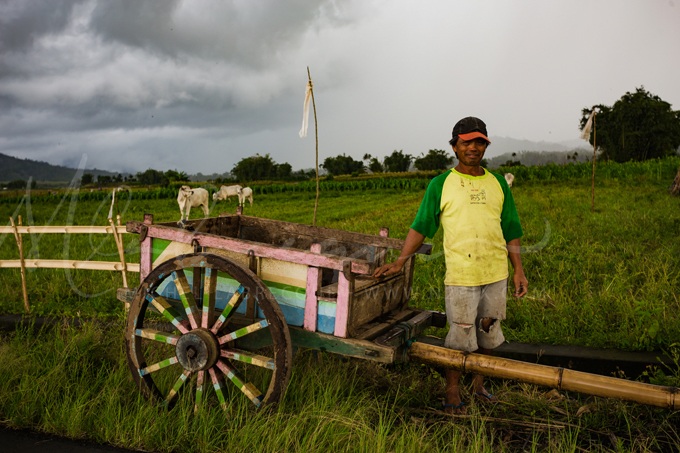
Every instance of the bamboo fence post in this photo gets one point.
(117, 238)
(121, 251)
(20, 244)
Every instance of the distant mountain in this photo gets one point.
(13, 168)
(506, 145)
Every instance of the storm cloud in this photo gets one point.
(198, 85)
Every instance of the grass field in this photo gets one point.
(606, 278)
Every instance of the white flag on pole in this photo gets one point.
(585, 133)
(305, 110)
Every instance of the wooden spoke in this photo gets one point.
(232, 305)
(247, 388)
(157, 335)
(189, 346)
(158, 366)
(244, 331)
(200, 390)
(209, 291)
(186, 296)
(181, 380)
(248, 357)
(218, 385)
(162, 305)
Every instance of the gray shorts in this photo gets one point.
(466, 306)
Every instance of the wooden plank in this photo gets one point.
(384, 324)
(360, 282)
(311, 300)
(69, 264)
(320, 233)
(125, 295)
(343, 303)
(406, 330)
(145, 256)
(261, 250)
(361, 349)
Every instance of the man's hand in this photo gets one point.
(388, 269)
(521, 283)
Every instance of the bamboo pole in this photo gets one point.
(117, 238)
(20, 244)
(316, 138)
(555, 377)
(69, 264)
(58, 229)
(121, 252)
(592, 190)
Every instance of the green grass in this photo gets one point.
(607, 278)
(75, 382)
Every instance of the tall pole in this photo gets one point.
(316, 137)
(592, 191)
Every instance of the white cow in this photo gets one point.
(245, 193)
(225, 192)
(509, 177)
(188, 198)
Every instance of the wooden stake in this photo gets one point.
(121, 251)
(316, 136)
(20, 244)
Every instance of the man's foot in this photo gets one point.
(485, 396)
(455, 409)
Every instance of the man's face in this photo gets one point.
(470, 152)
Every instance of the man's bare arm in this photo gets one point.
(413, 242)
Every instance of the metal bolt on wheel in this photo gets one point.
(204, 325)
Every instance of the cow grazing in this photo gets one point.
(188, 198)
(509, 177)
(225, 192)
(245, 193)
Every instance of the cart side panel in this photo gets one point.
(375, 301)
(340, 297)
(285, 280)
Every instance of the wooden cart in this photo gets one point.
(223, 303)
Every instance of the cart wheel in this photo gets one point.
(202, 325)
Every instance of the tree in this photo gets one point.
(398, 161)
(104, 180)
(255, 168)
(435, 159)
(21, 184)
(152, 177)
(176, 176)
(374, 164)
(639, 126)
(283, 171)
(342, 165)
(86, 179)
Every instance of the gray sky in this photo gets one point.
(198, 85)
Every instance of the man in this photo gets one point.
(481, 227)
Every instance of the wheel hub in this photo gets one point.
(197, 350)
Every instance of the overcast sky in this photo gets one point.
(198, 85)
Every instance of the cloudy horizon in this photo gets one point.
(197, 86)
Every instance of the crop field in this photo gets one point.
(606, 277)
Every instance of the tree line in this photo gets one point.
(639, 126)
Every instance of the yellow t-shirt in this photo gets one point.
(479, 217)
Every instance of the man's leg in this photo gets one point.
(478, 379)
(453, 403)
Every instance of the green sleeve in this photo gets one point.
(512, 229)
(426, 221)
